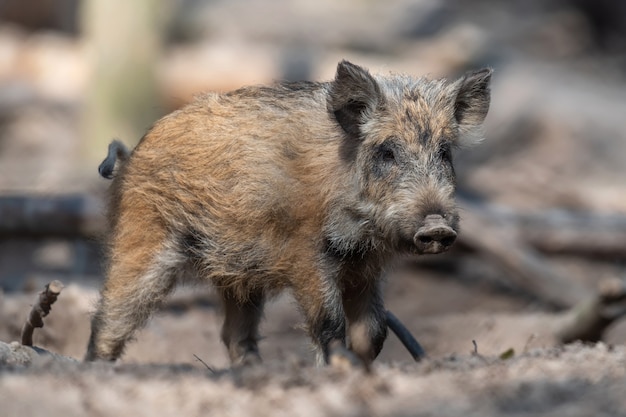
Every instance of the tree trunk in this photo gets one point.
(123, 43)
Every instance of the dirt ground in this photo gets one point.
(177, 366)
(571, 381)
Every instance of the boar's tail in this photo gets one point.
(405, 336)
(117, 151)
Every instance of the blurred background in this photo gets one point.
(76, 73)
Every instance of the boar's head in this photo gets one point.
(399, 134)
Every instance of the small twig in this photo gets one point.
(405, 336)
(204, 363)
(40, 310)
(475, 353)
(530, 339)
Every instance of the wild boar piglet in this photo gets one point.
(312, 187)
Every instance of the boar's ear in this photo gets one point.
(473, 94)
(353, 94)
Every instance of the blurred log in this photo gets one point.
(583, 234)
(496, 240)
(65, 216)
(560, 231)
(518, 243)
(588, 320)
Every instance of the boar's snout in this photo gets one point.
(435, 236)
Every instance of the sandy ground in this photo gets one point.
(572, 381)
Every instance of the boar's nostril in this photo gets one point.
(447, 241)
(424, 238)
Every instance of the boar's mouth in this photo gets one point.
(434, 236)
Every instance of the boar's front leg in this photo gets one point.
(367, 326)
(320, 299)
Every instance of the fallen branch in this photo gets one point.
(498, 242)
(40, 310)
(588, 320)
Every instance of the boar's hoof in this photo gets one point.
(435, 236)
(339, 357)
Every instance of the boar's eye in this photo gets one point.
(384, 158)
(386, 153)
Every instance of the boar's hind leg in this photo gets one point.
(240, 329)
(367, 327)
(138, 281)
